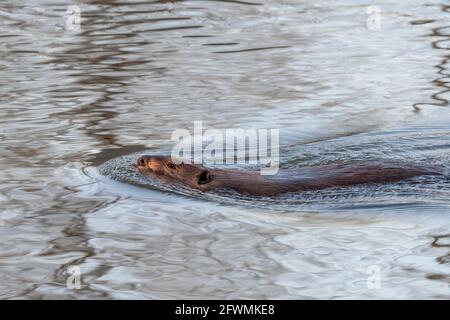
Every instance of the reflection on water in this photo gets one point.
(138, 70)
(442, 43)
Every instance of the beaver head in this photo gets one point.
(162, 167)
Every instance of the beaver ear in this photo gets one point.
(204, 177)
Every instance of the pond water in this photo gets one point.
(338, 88)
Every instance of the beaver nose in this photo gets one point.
(142, 161)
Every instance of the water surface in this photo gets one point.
(137, 70)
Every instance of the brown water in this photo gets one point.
(138, 70)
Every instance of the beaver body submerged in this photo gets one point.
(292, 180)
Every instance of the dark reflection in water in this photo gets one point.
(442, 83)
(99, 70)
(138, 70)
(252, 49)
(442, 241)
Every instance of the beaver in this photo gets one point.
(291, 180)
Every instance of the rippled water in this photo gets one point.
(137, 70)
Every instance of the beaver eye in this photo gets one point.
(171, 165)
